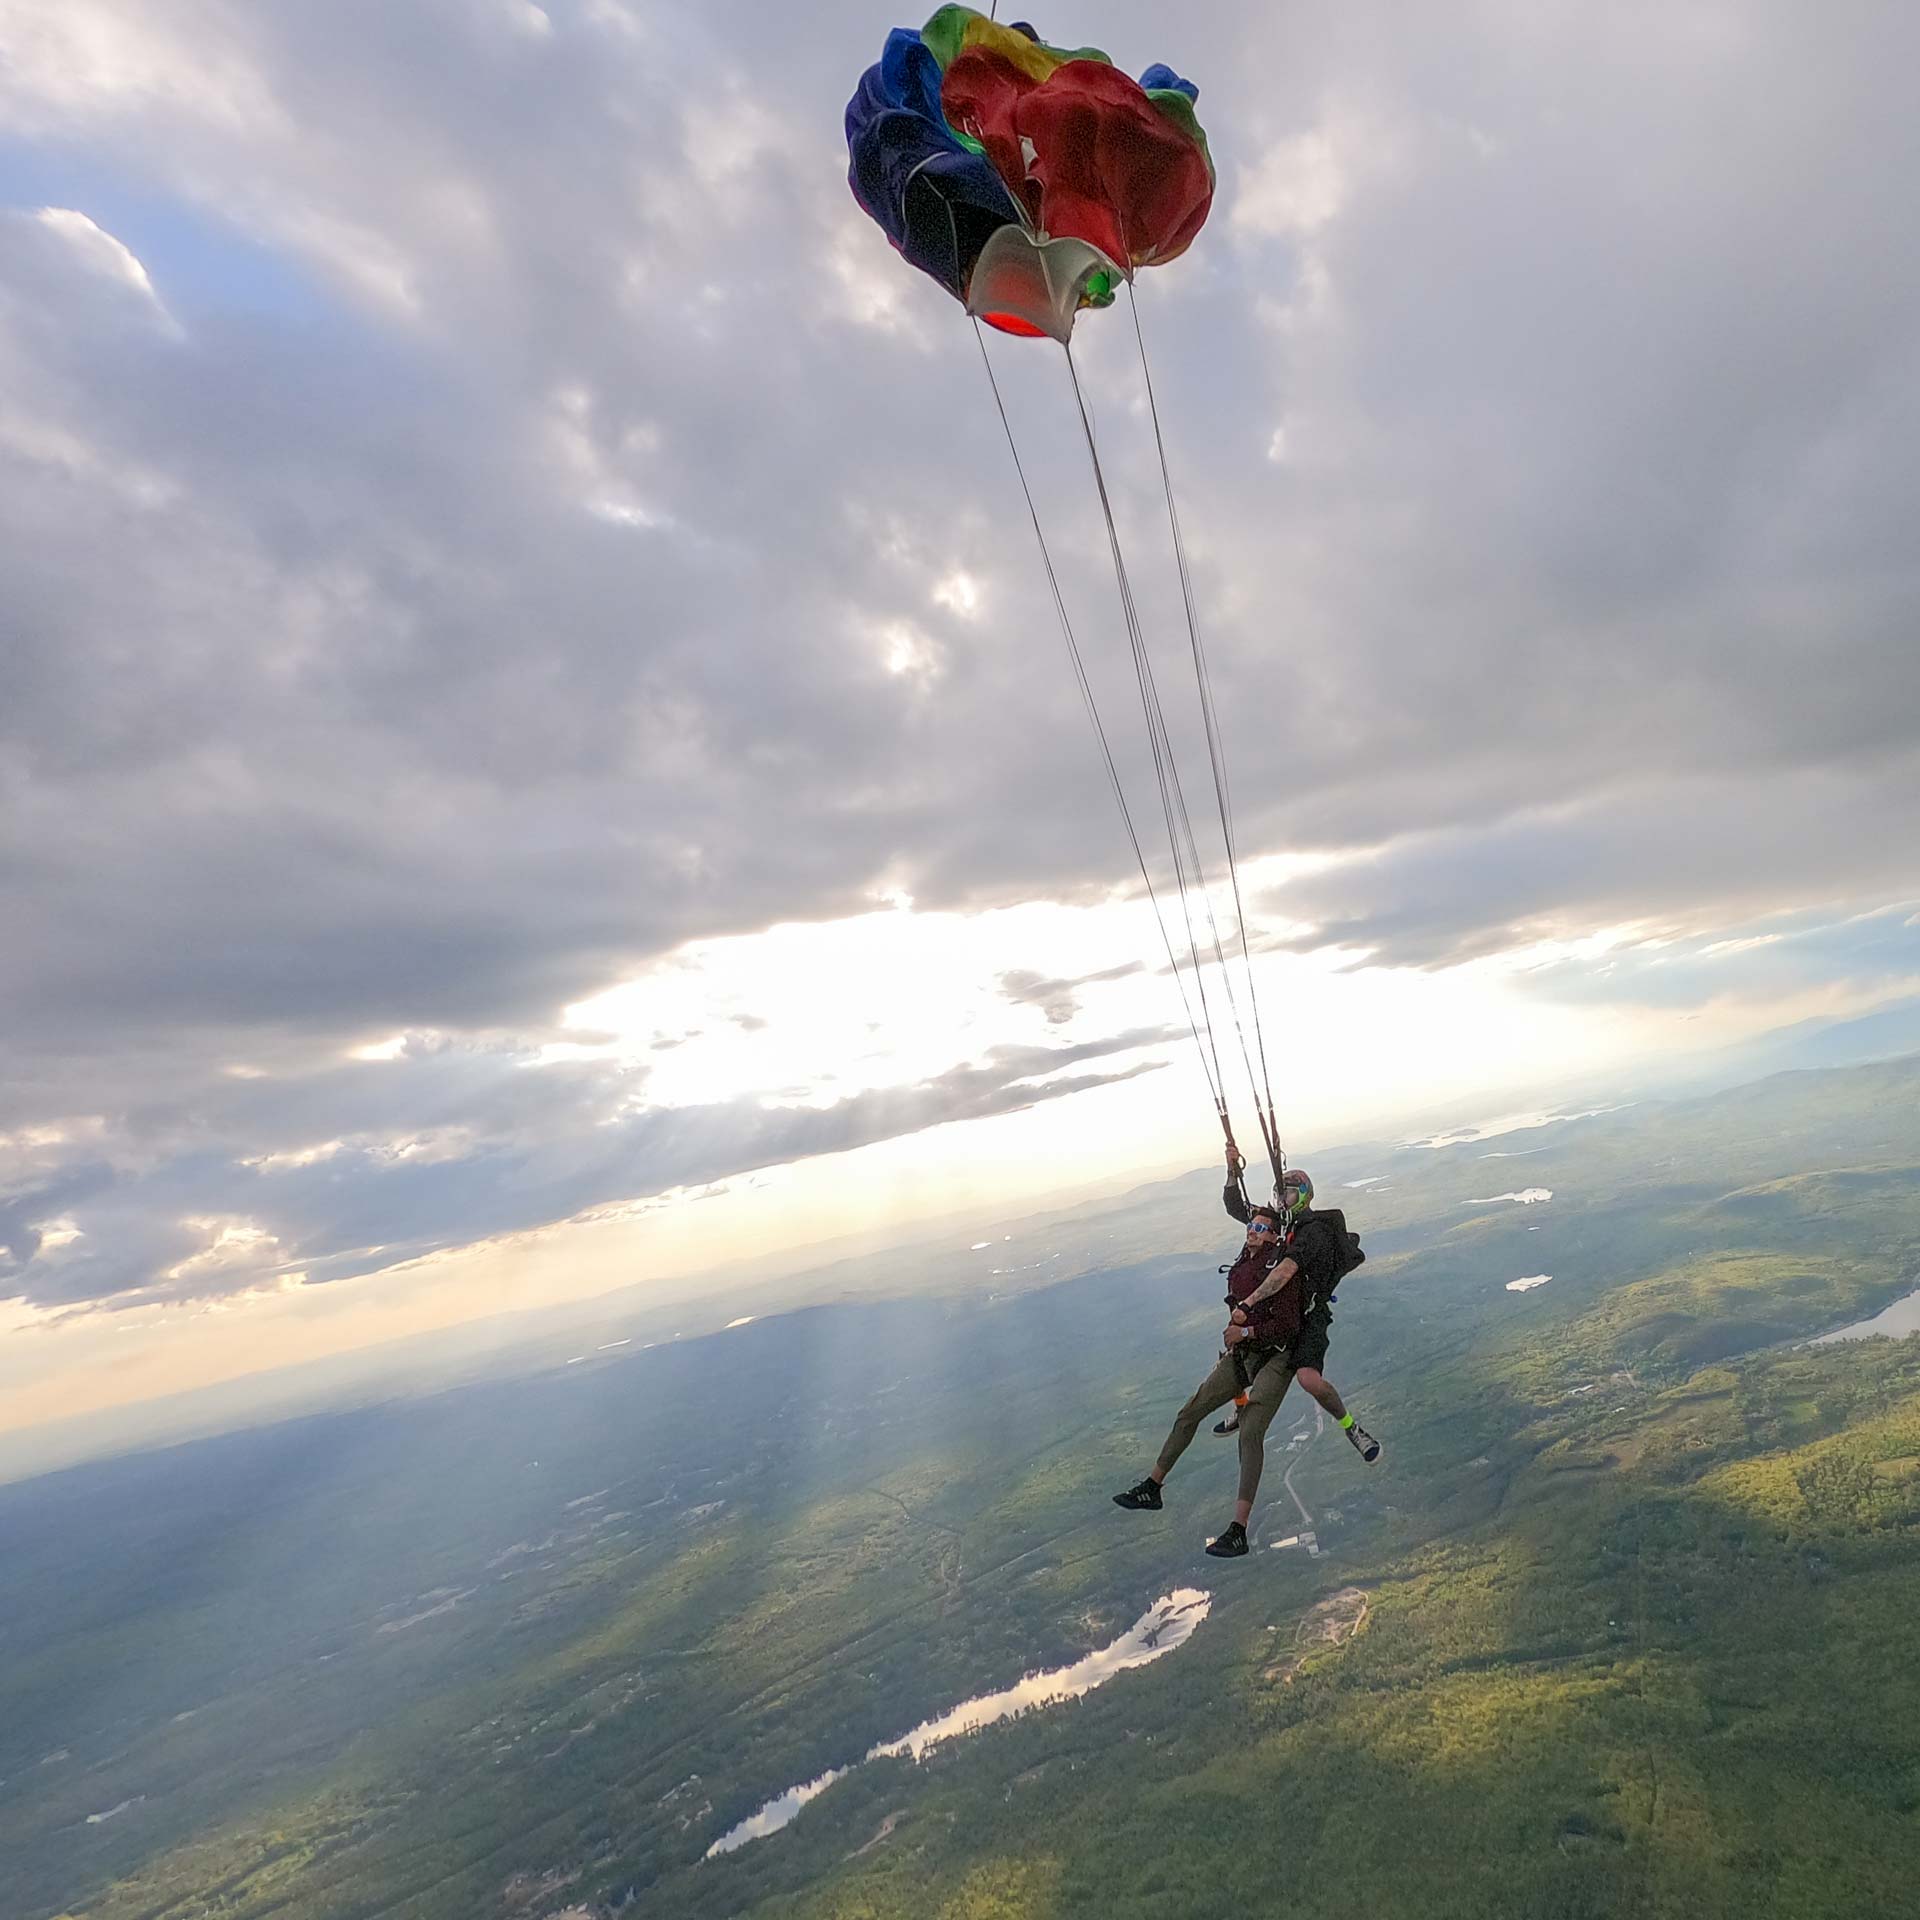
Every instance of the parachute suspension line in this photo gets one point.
(1216, 754)
(1166, 769)
(1100, 732)
(1188, 869)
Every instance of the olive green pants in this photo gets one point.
(1268, 1388)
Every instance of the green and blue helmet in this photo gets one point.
(1295, 1194)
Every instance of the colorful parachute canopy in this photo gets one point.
(1027, 179)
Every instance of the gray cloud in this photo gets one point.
(1782, 953)
(371, 1163)
(1059, 999)
(471, 567)
(1656, 854)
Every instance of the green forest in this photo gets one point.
(1619, 1624)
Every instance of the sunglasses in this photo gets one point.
(1261, 1226)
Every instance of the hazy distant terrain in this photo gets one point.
(943, 1256)
(1620, 1624)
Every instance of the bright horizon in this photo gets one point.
(807, 1211)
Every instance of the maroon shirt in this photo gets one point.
(1277, 1317)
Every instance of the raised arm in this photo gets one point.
(1234, 1196)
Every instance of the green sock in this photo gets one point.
(1346, 1419)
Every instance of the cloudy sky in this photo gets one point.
(534, 752)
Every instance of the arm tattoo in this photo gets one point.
(1272, 1284)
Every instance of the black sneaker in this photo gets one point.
(1146, 1494)
(1231, 1424)
(1231, 1544)
(1369, 1447)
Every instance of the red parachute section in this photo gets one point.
(1087, 152)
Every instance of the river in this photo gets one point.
(1168, 1623)
(1892, 1323)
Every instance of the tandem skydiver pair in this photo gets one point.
(1281, 1291)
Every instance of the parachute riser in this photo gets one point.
(1269, 1138)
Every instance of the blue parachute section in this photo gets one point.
(1159, 78)
(938, 201)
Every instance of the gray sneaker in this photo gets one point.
(1364, 1442)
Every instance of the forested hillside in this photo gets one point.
(1618, 1625)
